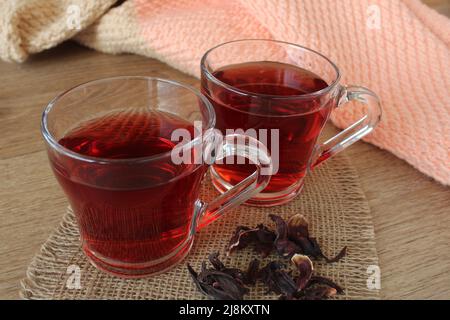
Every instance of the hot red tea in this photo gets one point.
(129, 213)
(271, 96)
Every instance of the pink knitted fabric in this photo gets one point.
(397, 48)
(406, 60)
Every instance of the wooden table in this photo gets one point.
(410, 211)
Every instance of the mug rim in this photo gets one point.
(52, 142)
(307, 96)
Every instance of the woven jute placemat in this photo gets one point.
(332, 201)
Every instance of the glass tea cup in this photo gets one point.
(261, 86)
(112, 148)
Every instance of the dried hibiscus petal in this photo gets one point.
(317, 293)
(298, 232)
(219, 266)
(220, 283)
(338, 257)
(298, 227)
(287, 248)
(325, 281)
(262, 238)
(312, 248)
(278, 280)
(265, 240)
(241, 238)
(282, 228)
(284, 246)
(264, 234)
(252, 274)
(305, 267)
(215, 261)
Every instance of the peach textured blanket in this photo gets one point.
(398, 48)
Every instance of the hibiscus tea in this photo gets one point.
(270, 95)
(129, 212)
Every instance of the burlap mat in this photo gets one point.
(332, 201)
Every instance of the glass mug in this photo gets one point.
(286, 89)
(109, 145)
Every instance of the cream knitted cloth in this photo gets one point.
(398, 48)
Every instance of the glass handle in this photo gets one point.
(256, 152)
(356, 131)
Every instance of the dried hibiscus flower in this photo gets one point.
(312, 287)
(325, 281)
(278, 280)
(226, 283)
(284, 246)
(305, 286)
(252, 274)
(298, 226)
(260, 237)
(291, 240)
(236, 273)
(317, 293)
(305, 267)
(293, 237)
(220, 283)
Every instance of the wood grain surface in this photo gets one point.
(410, 211)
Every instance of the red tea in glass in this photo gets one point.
(297, 132)
(111, 146)
(129, 213)
(272, 85)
